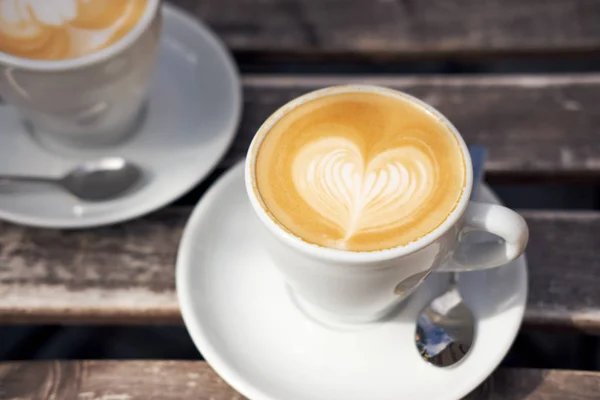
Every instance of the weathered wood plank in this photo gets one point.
(530, 384)
(535, 127)
(115, 380)
(564, 266)
(125, 273)
(400, 28)
(120, 273)
(182, 380)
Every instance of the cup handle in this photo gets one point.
(510, 228)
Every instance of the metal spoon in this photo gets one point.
(445, 328)
(99, 180)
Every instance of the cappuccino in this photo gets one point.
(360, 170)
(63, 29)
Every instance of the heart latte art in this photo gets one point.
(61, 29)
(359, 171)
(357, 196)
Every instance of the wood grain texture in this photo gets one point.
(181, 380)
(112, 380)
(530, 384)
(564, 266)
(535, 127)
(400, 28)
(125, 273)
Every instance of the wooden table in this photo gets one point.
(538, 129)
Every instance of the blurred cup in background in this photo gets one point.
(83, 96)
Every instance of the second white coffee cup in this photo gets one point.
(87, 101)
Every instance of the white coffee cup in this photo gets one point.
(347, 286)
(86, 101)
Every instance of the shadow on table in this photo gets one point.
(96, 343)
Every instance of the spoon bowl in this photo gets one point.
(445, 328)
(101, 180)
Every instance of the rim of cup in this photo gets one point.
(90, 59)
(349, 256)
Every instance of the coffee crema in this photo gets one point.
(63, 29)
(360, 171)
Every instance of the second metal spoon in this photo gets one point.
(100, 180)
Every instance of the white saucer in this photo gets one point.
(238, 312)
(194, 110)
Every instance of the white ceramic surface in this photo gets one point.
(240, 316)
(192, 116)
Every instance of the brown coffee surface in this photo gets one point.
(63, 29)
(360, 171)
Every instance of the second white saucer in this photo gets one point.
(193, 111)
(239, 314)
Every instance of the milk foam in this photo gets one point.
(53, 12)
(59, 29)
(359, 171)
(360, 195)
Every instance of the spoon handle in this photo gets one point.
(32, 179)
